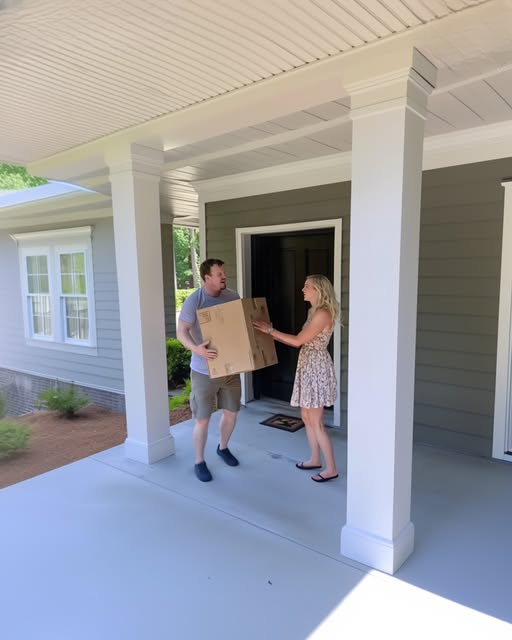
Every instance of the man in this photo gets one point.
(206, 392)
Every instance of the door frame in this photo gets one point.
(502, 429)
(243, 278)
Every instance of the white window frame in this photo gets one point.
(53, 244)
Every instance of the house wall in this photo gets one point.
(26, 370)
(103, 370)
(459, 276)
(458, 297)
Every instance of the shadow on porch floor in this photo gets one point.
(107, 548)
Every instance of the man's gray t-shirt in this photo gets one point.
(199, 300)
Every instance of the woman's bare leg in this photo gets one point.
(323, 441)
(315, 459)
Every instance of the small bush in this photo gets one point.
(13, 438)
(178, 362)
(65, 401)
(181, 296)
(182, 398)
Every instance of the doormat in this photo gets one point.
(287, 423)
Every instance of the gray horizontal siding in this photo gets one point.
(458, 297)
(103, 369)
(458, 288)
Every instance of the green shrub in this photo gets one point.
(13, 437)
(3, 403)
(63, 400)
(178, 362)
(181, 296)
(182, 398)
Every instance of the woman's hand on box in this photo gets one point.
(264, 327)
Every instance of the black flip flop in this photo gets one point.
(300, 465)
(320, 478)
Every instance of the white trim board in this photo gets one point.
(243, 273)
(479, 144)
(502, 430)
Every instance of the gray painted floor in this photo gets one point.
(107, 548)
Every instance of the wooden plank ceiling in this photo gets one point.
(73, 72)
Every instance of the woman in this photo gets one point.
(315, 380)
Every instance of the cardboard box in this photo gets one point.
(239, 346)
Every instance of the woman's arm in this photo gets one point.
(319, 322)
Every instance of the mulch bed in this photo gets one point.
(57, 441)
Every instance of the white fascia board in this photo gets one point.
(79, 204)
(77, 197)
(35, 194)
(13, 223)
(293, 175)
(461, 147)
(479, 144)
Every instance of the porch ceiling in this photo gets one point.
(77, 77)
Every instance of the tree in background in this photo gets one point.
(186, 257)
(16, 178)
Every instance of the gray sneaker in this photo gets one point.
(202, 472)
(227, 456)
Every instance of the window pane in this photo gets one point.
(80, 284)
(33, 284)
(79, 263)
(77, 318)
(31, 264)
(84, 329)
(72, 269)
(41, 315)
(37, 274)
(65, 263)
(44, 286)
(66, 283)
(72, 328)
(38, 284)
(37, 264)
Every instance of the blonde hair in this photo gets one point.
(326, 296)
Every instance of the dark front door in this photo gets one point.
(280, 265)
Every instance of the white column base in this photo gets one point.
(149, 452)
(379, 553)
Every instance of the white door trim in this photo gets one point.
(243, 273)
(502, 431)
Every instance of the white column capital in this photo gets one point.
(135, 159)
(507, 183)
(407, 84)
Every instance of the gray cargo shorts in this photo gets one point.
(209, 394)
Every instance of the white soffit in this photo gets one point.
(74, 72)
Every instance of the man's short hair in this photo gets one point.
(205, 267)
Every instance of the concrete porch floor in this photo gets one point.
(107, 548)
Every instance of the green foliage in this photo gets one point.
(186, 250)
(13, 437)
(65, 401)
(16, 178)
(178, 362)
(182, 398)
(181, 296)
(3, 403)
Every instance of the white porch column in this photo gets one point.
(387, 151)
(135, 178)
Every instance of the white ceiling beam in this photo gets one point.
(260, 143)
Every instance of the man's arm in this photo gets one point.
(186, 339)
